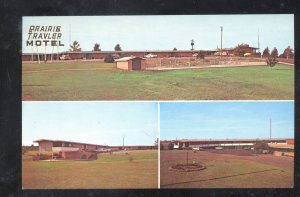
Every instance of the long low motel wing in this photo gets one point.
(78, 150)
(226, 143)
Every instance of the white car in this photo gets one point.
(65, 57)
(150, 55)
(197, 148)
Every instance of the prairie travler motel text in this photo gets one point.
(46, 35)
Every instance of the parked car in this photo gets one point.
(187, 148)
(116, 56)
(198, 148)
(150, 55)
(65, 57)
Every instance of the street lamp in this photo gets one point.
(221, 40)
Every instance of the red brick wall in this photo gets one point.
(76, 55)
(76, 154)
(290, 141)
(99, 55)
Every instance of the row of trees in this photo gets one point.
(75, 46)
(238, 50)
(287, 53)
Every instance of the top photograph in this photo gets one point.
(158, 57)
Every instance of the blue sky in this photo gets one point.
(91, 122)
(221, 120)
(167, 32)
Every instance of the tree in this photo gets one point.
(170, 146)
(288, 53)
(97, 47)
(266, 52)
(118, 47)
(75, 46)
(109, 59)
(200, 55)
(175, 49)
(260, 146)
(240, 49)
(272, 61)
(192, 44)
(274, 52)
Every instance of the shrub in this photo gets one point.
(271, 61)
(200, 56)
(170, 146)
(109, 59)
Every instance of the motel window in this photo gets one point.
(63, 144)
(70, 145)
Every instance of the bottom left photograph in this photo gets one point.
(89, 145)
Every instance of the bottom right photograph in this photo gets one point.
(227, 144)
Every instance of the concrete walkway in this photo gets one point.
(204, 66)
(286, 63)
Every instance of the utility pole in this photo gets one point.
(221, 40)
(258, 40)
(270, 128)
(69, 34)
(187, 157)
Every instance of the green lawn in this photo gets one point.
(227, 171)
(101, 81)
(108, 171)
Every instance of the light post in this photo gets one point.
(221, 40)
(192, 43)
(123, 140)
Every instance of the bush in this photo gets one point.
(271, 61)
(170, 146)
(109, 59)
(200, 56)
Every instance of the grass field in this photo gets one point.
(102, 81)
(108, 171)
(227, 171)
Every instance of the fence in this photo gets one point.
(191, 62)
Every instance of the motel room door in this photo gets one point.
(136, 64)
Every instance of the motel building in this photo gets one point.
(100, 55)
(61, 149)
(67, 149)
(279, 146)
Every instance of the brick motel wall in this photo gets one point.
(45, 146)
(76, 155)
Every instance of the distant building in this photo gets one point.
(100, 55)
(67, 149)
(225, 143)
(131, 63)
(62, 149)
(243, 49)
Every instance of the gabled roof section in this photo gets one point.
(124, 59)
(47, 140)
